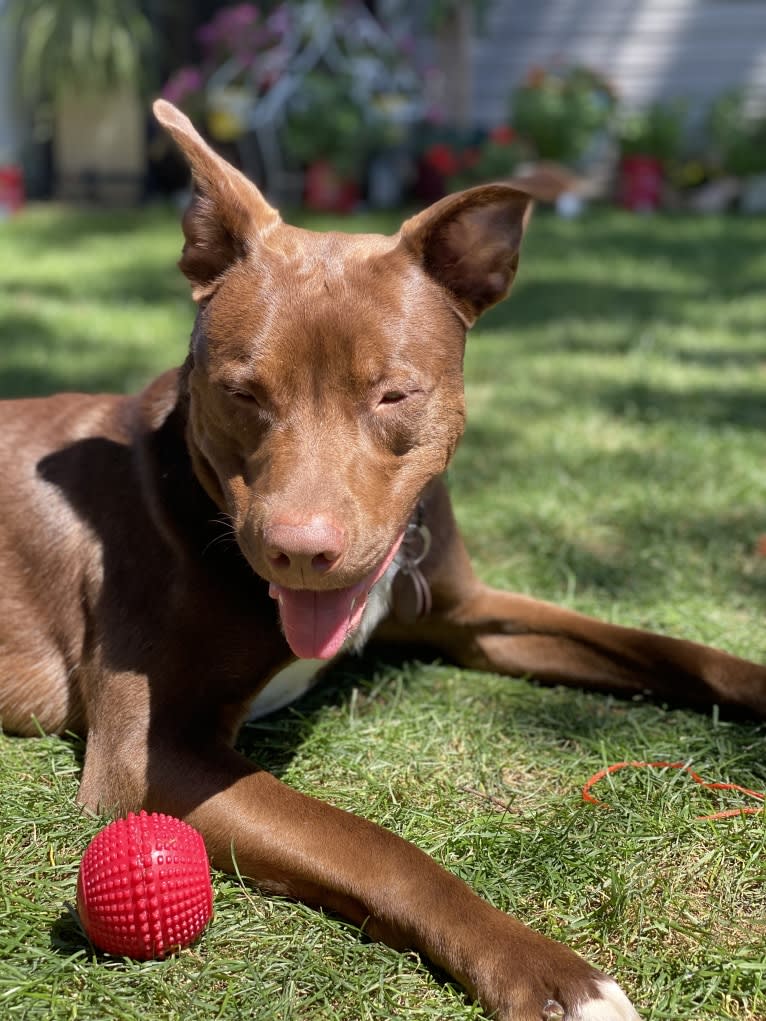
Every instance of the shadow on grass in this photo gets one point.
(64, 226)
(743, 407)
(569, 714)
(625, 337)
(627, 308)
(37, 361)
(716, 258)
(726, 248)
(67, 934)
(544, 301)
(641, 554)
(155, 281)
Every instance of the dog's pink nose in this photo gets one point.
(307, 547)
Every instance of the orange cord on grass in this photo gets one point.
(747, 810)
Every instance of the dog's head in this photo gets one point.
(326, 383)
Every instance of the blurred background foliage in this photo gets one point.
(338, 104)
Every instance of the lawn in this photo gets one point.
(614, 462)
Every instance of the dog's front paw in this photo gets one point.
(536, 979)
(601, 999)
(610, 1004)
(604, 1001)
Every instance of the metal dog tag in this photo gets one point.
(411, 591)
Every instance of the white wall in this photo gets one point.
(650, 49)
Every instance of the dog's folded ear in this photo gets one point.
(226, 213)
(469, 243)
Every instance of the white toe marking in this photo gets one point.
(611, 1005)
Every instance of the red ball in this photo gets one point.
(144, 887)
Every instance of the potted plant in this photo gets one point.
(329, 134)
(649, 142)
(697, 184)
(738, 142)
(562, 111)
(86, 60)
(494, 158)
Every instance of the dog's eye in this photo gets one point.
(245, 396)
(393, 397)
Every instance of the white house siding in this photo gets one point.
(650, 49)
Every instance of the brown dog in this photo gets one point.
(321, 400)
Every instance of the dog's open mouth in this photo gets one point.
(316, 624)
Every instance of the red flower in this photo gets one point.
(442, 158)
(503, 135)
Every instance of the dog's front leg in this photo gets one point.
(292, 844)
(481, 627)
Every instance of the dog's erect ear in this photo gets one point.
(226, 213)
(469, 243)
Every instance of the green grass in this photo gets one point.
(615, 463)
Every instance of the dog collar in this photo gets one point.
(411, 591)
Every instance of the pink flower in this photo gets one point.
(184, 82)
(279, 20)
(228, 26)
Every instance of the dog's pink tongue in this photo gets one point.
(316, 623)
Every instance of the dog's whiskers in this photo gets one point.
(227, 536)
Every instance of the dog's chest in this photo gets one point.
(286, 686)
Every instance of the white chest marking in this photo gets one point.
(285, 687)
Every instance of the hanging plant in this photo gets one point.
(84, 45)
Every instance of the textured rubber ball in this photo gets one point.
(144, 887)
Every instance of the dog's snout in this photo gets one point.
(313, 546)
